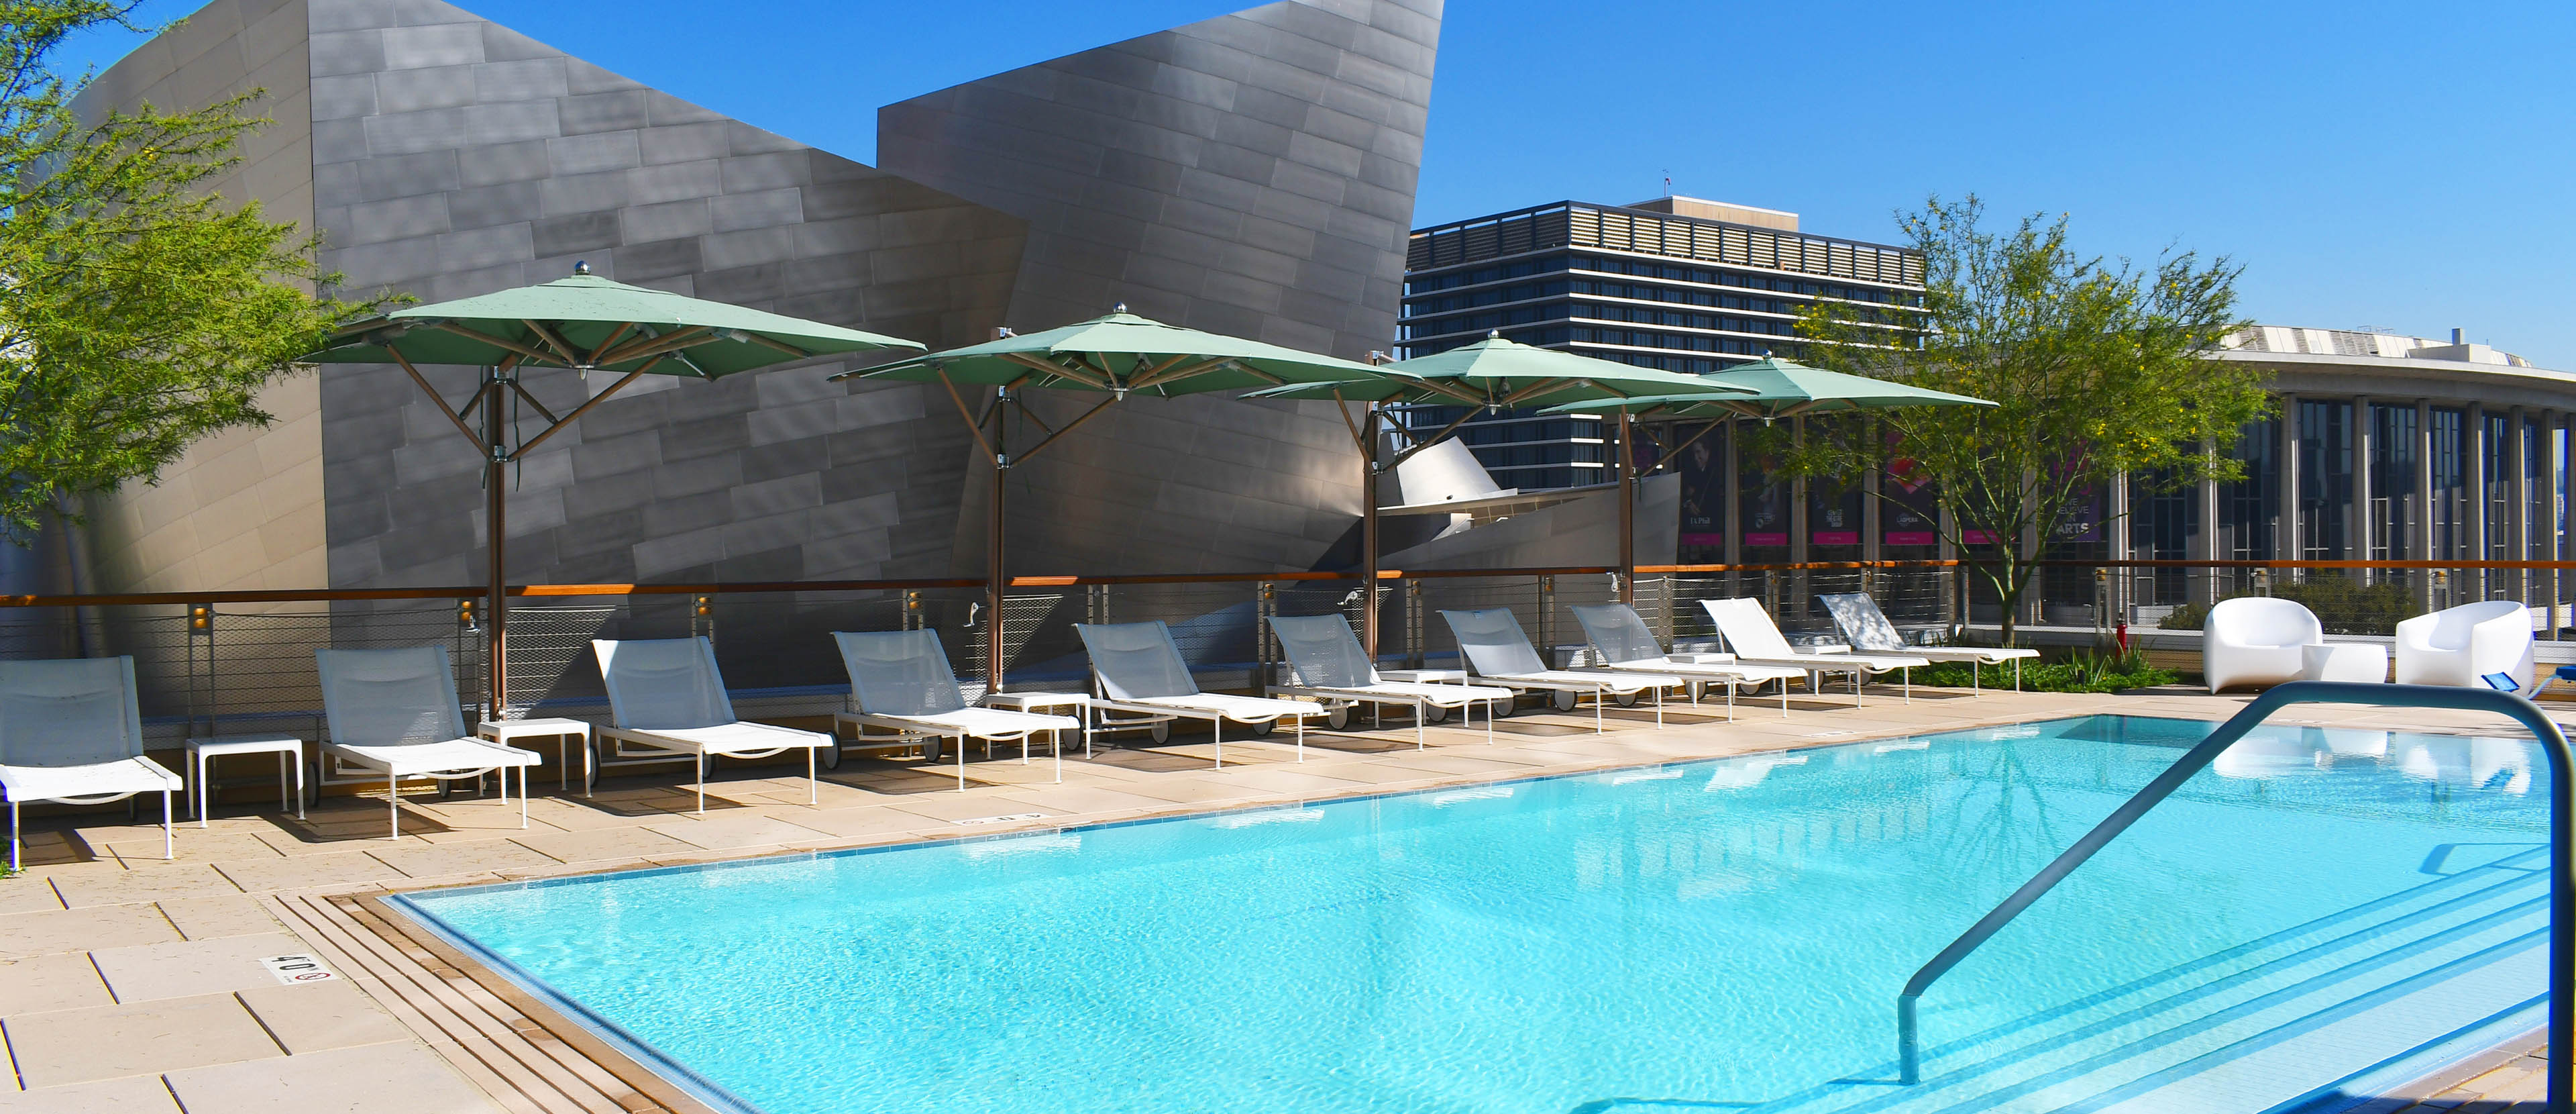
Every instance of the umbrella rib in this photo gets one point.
(1068, 428)
(1420, 444)
(563, 352)
(1049, 367)
(531, 443)
(1164, 373)
(503, 343)
(1693, 439)
(591, 358)
(443, 407)
(773, 342)
(972, 426)
(1342, 408)
(531, 400)
(654, 345)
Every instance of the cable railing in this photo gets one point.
(222, 662)
(2562, 851)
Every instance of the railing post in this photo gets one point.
(1265, 603)
(1547, 619)
(1413, 651)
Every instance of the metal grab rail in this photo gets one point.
(2562, 851)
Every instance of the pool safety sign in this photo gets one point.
(293, 969)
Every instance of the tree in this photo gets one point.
(2098, 369)
(139, 311)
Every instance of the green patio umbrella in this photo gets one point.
(1490, 375)
(1775, 388)
(582, 322)
(1116, 355)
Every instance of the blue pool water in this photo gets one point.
(1700, 936)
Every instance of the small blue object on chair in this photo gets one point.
(2502, 682)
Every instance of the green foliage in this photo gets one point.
(2098, 368)
(2341, 604)
(139, 311)
(2189, 616)
(2102, 670)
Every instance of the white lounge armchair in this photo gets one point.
(1866, 627)
(2257, 640)
(1498, 650)
(670, 706)
(1622, 643)
(71, 732)
(902, 682)
(394, 714)
(1136, 667)
(2459, 645)
(1746, 625)
(1327, 662)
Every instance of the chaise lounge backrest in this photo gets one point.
(1861, 621)
(900, 672)
(69, 712)
(383, 698)
(663, 684)
(1323, 651)
(1618, 633)
(1136, 661)
(1493, 641)
(1748, 629)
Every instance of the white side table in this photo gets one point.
(2344, 661)
(1043, 701)
(1425, 676)
(201, 752)
(563, 731)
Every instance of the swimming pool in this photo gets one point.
(2322, 909)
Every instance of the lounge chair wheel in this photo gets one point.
(1505, 709)
(831, 756)
(935, 746)
(1434, 713)
(1626, 699)
(1262, 730)
(1160, 732)
(1563, 699)
(1338, 718)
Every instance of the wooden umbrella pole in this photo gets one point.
(1627, 512)
(1368, 530)
(994, 577)
(496, 499)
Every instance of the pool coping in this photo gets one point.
(390, 921)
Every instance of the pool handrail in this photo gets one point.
(2562, 850)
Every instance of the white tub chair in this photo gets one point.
(2256, 640)
(2459, 645)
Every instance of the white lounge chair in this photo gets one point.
(2460, 645)
(1137, 668)
(670, 706)
(394, 714)
(71, 732)
(1623, 644)
(2257, 640)
(1746, 625)
(1498, 650)
(1866, 628)
(1327, 662)
(902, 682)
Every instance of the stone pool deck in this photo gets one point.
(128, 983)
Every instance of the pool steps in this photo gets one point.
(2222, 1032)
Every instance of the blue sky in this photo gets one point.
(2399, 165)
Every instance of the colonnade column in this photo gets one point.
(2357, 533)
(1734, 517)
(2424, 500)
(2203, 588)
(2517, 518)
(2473, 451)
(2285, 526)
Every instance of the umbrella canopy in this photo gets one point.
(1498, 374)
(1120, 354)
(587, 322)
(1114, 355)
(584, 322)
(1777, 388)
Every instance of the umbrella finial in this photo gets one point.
(1002, 331)
(1493, 334)
(581, 266)
(1119, 308)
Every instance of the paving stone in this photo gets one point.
(719, 832)
(601, 843)
(67, 930)
(39, 983)
(134, 1094)
(204, 918)
(103, 1042)
(190, 968)
(374, 1079)
(312, 1017)
(148, 884)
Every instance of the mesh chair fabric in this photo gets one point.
(1862, 623)
(71, 712)
(1493, 641)
(390, 697)
(1748, 629)
(1323, 651)
(1136, 661)
(663, 683)
(899, 672)
(1618, 633)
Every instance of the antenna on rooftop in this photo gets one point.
(1668, 183)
